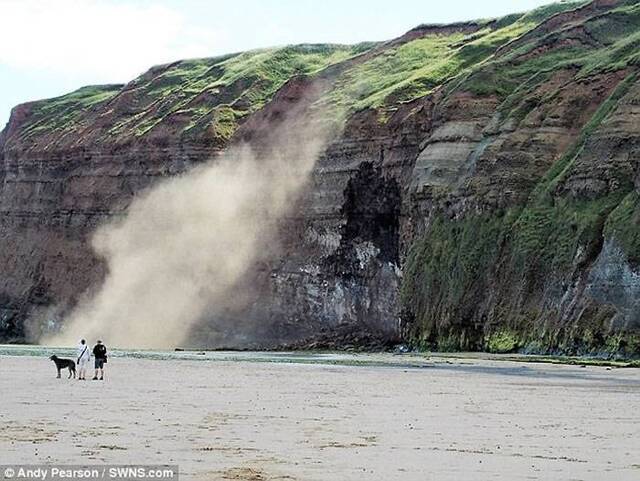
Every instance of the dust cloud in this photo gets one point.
(182, 246)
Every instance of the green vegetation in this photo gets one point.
(551, 229)
(416, 68)
(395, 77)
(210, 96)
(548, 238)
(532, 59)
(452, 267)
(624, 226)
(196, 95)
(215, 93)
(274, 67)
(253, 76)
(445, 275)
(502, 341)
(62, 113)
(409, 70)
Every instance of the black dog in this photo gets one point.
(62, 363)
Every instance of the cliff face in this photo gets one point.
(484, 192)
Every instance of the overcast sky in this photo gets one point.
(50, 47)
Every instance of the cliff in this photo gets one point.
(484, 192)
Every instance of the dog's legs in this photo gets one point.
(58, 373)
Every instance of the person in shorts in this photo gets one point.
(100, 355)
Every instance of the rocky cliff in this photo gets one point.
(484, 192)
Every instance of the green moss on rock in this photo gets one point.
(502, 341)
(455, 266)
(446, 272)
(624, 226)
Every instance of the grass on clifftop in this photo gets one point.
(602, 42)
(416, 68)
(63, 112)
(215, 93)
(208, 97)
(198, 94)
(409, 70)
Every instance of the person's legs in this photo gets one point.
(99, 367)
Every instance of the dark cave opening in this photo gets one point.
(371, 211)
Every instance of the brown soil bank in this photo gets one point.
(484, 193)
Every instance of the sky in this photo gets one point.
(51, 47)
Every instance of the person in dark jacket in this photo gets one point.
(100, 355)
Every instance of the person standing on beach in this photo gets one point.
(83, 359)
(100, 355)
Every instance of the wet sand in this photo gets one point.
(442, 419)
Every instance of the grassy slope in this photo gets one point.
(57, 113)
(210, 96)
(210, 93)
(416, 68)
(617, 45)
(218, 93)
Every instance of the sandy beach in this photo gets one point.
(439, 419)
